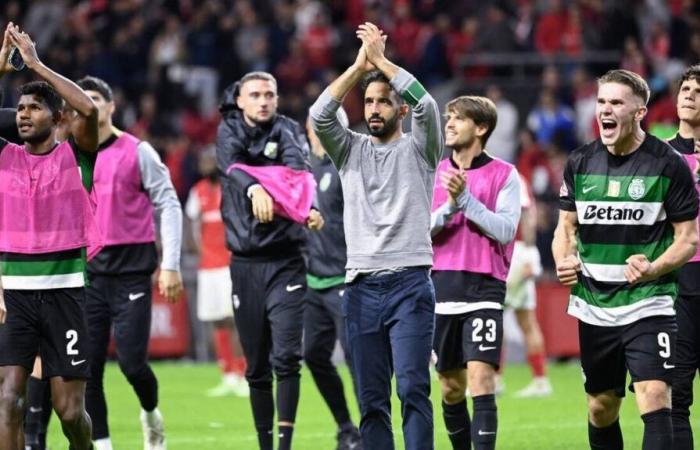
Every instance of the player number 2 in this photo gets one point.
(478, 325)
(72, 337)
(665, 344)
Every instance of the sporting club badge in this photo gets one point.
(325, 182)
(636, 189)
(270, 150)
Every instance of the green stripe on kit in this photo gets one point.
(414, 93)
(620, 188)
(624, 297)
(29, 268)
(321, 283)
(617, 254)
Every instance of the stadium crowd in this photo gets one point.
(169, 60)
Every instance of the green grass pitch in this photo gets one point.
(194, 421)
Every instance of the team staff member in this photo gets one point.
(44, 184)
(267, 270)
(627, 221)
(476, 209)
(688, 303)
(130, 183)
(387, 181)
(323, 316)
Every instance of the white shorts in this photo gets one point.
(520, 293)
(214, 294)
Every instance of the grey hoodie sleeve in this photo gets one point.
(426, 133)
(156, 181)
(335, 138)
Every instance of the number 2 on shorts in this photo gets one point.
(72, 337)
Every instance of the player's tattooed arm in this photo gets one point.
(564, 248)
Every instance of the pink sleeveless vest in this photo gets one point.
(124, 210)
(693, 164)
(43, 205)
(461, 246)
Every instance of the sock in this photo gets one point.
(485, 422)
(658, 430)
(285, 435)
(457, 424)
(287, 399)
(682, 432)
(538, 364)
(239, 365)
(606, 438)
(224, 350)
(263, 410)
(33, 420)
(153, 417)
(103, 444)
(145, 385)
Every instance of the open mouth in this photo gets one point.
(608, 127)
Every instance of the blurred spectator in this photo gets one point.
(496, 35)
(550, 117)
(633, 59)
(434, 66)
(404, 34)
(585, 99)
(548, 31)
(318, 41)
(202, 79)
(503, 142)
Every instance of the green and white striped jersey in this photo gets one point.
(65, 269)
(625, 205)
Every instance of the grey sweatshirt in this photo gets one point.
(387, 189)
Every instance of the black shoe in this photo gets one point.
(349, 439)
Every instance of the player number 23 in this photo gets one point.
(72, 337)
(489, 326)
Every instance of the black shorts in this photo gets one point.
(472, 336)
(647, 348)
(49, 323)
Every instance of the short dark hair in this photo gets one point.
(44, 92)
(634, 81)
(480, 109)
(691, 73)
(97, 85)
(257, 75)
(379, 77)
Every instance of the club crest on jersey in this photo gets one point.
(270, 150)
(325, 182)
(636, 189)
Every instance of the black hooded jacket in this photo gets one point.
(282, 141)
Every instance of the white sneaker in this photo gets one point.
(538, 387)
(153, 431)
(230, 385)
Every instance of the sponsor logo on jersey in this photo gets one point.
(636, 189)
(612, 213)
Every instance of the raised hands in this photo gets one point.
(373, 42)
(24, 44)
